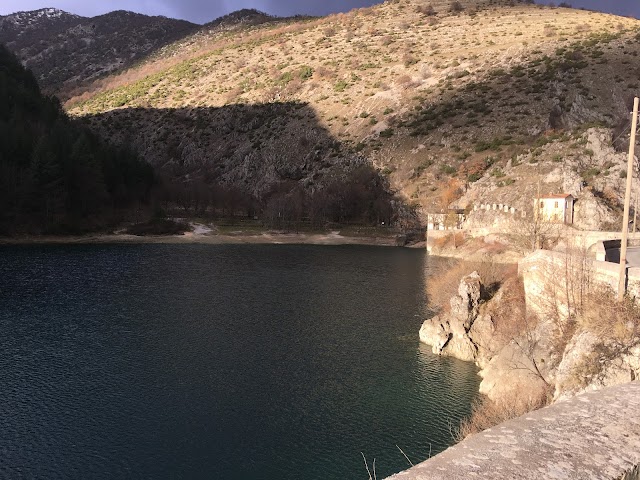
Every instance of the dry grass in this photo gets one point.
(510, 314)
(487, 413)
(617, 328)
(609, 319)
(444, 279)
(452, 240)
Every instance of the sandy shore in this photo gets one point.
(332, 238)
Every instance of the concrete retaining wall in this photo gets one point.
(549, 276)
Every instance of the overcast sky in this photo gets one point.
(202, 11)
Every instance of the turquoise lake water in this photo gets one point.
(219, 362)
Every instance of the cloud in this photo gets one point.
(193, 10)
(618, 7)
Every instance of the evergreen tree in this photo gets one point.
(54, 174)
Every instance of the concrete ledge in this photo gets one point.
(594, 436)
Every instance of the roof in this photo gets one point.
(559, 195)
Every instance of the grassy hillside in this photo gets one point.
(435, 95)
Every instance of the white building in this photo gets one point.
(555, 208)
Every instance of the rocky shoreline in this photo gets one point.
(215, 239)
(524, 351)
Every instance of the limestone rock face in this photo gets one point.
(525, 364)
(508, 371)
(519, 346)
(436, 334)
(584, 355)
(448, 334)
(591, 214)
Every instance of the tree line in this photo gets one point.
(55, 175)
(359, 196)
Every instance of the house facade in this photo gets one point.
(452, 220)
(555, 208)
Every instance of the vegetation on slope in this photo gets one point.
(65, 51)
(432, 97)
(56, 176)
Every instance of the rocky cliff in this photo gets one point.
(588, 165)
(530, 350)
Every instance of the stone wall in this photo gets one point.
(548, 276)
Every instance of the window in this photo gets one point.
(555, 205)
(541, 204)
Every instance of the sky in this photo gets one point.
(202, 11)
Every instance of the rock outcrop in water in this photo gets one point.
(471, 330)
(528, 351)
(451, 333)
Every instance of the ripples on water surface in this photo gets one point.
(216, 362)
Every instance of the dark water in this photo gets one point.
(218, 362)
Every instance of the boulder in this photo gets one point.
(589, 363)
(448, 334)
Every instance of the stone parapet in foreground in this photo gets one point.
(595, 435)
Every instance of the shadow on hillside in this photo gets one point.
(585, 84)
(275, 160)
(478, 126)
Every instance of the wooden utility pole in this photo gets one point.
(537, 216)
(635, 214)
(627, 202)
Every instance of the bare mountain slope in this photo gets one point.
(68, 52)
(435, 98)
(65, 50)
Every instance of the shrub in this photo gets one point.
(330, 32)
(474, 177)
(285, 78)
(456, 7)
(448, 169)
(487, 413)
(409, 60)
(422, 167)
(341, 86)
(427, 10)
(305, 73)
(589, 173)
(498, 173)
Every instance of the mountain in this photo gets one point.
(244, 17)
(32, 27)
(55, 176)
(66, 50)
(437, 97)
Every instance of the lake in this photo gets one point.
(219, 362)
